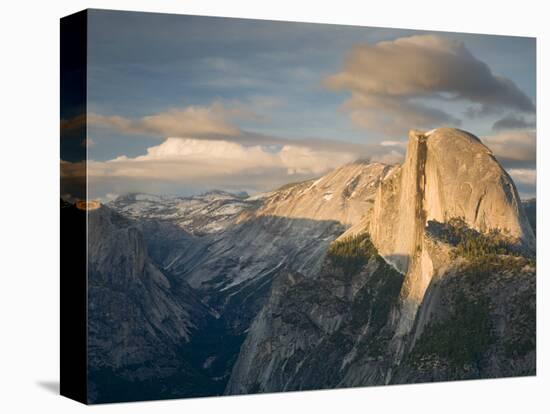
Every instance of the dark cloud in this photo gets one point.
(391, 81)
(512, 121)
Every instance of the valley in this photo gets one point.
(372, 274)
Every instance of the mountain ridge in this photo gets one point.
(241, 255)
(431, 186)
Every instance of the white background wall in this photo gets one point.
(29, 195)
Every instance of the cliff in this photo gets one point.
(449, 242)
(372, 274)
(447, 173)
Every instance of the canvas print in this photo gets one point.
(261, 206)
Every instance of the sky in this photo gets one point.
(185, 104)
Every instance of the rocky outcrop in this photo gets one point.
(478, 321)
(288, 229)
(264, 237)
(305, 336)
(370, 275)
(447, 173)
(337, 329)
(325, 330)
(345, 195)
(140, 320)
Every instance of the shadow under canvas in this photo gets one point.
(50, 386)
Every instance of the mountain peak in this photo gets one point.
(451, 173)
(442, 132)
(447, 173)
(344, 195)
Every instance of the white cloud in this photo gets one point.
(180, 159)
(394, 144)
(392, 157)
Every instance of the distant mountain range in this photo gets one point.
(372, 274)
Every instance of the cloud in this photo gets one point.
(197, 121)
(214, 162)
(71, 124)
(215, 122)
(512, 121)
(390, 143)
(388, 152)
(514, 149)
(393, 84)
(189, 165)
(391, 157)
(523, 176)
(525, 180)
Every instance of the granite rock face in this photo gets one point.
(339, 328)
(206, 213)
(345, 195)
(140, 319)
(290, 228)
(477, 321)
(447, 173)
(232, 268)
(322, 331)
(372, 274)
(438, 286)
